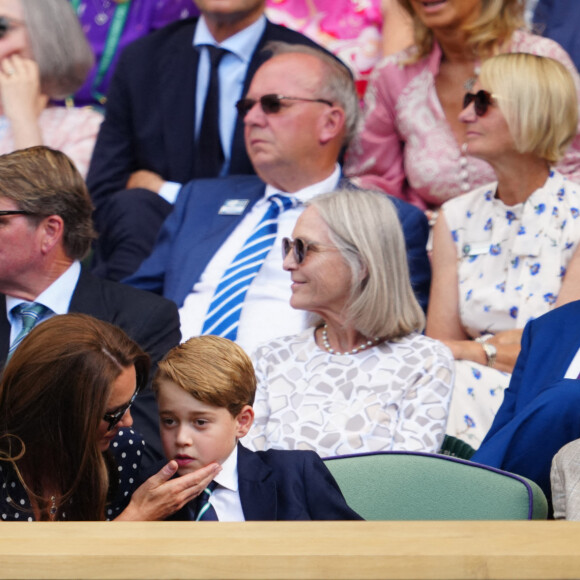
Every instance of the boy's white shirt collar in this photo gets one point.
(228, 476)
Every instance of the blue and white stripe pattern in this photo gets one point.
(223, 316)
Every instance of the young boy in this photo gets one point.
(205, 389)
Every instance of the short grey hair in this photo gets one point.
(365, 227)
(337, 85)
(58, 45)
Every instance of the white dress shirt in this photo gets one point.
(57, 297)
(266, 312)
(225, 498)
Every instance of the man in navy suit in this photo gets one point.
(148, 143)
(205, 389)
(301, 110)
(540, 412)
(45, 230)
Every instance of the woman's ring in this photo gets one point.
(10, 72)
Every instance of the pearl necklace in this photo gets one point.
(363, 346)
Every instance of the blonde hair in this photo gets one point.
(365, 227)
(538, 99)
(498, 20)
(213, 370)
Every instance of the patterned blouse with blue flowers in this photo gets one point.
(512, 259)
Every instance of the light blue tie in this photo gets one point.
(223, 316)
(29, 313)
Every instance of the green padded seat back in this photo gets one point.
(398, 485)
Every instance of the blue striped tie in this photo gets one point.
(30, 313)
(223, 316)
(205, 511)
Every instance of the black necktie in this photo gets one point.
(210, 155)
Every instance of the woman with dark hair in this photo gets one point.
(44, 56)
(66, 448)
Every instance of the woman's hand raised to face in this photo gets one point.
(22, 101)
(20, 88)
(160, 496)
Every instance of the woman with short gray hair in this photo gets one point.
(44, 56)
(362, 378)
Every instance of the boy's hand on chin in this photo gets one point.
(160, 496)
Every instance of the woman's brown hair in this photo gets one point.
(53, 395)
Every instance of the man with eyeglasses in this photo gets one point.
(300, 111)
(45, 232)
(171, 117)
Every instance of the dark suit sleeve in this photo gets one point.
(151, 274)
(323, 496)
(416, 231)
(160, 329)
(113, 158)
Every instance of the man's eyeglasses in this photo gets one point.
(113, 418)
(14, 211)
(7, 24)
(271, 104)
(481, 100)
(300, 248)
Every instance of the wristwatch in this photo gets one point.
(490, 353)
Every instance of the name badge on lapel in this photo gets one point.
(233, 206)
(476, 249)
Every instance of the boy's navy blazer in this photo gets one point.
(195, 231)
(286, 485)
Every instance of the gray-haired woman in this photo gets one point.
(361, 378)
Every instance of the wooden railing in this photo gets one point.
(272, 550)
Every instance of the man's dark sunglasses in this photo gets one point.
(481, 101)
(14, 211)
(271, 104)
(113, 418)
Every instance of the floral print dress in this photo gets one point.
(511, 263)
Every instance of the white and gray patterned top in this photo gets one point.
(394, 396)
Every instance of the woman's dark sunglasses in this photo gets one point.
(113, 418)
(481, 101)
(7, 24)
(300, 248)
(271, 104)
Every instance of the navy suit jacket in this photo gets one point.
(541, 410)
(286, 485)
(151, 321)
(549, 343)
(195, 231)
(150, 113)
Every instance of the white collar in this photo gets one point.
(57, 296)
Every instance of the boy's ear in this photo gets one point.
(244, 421)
